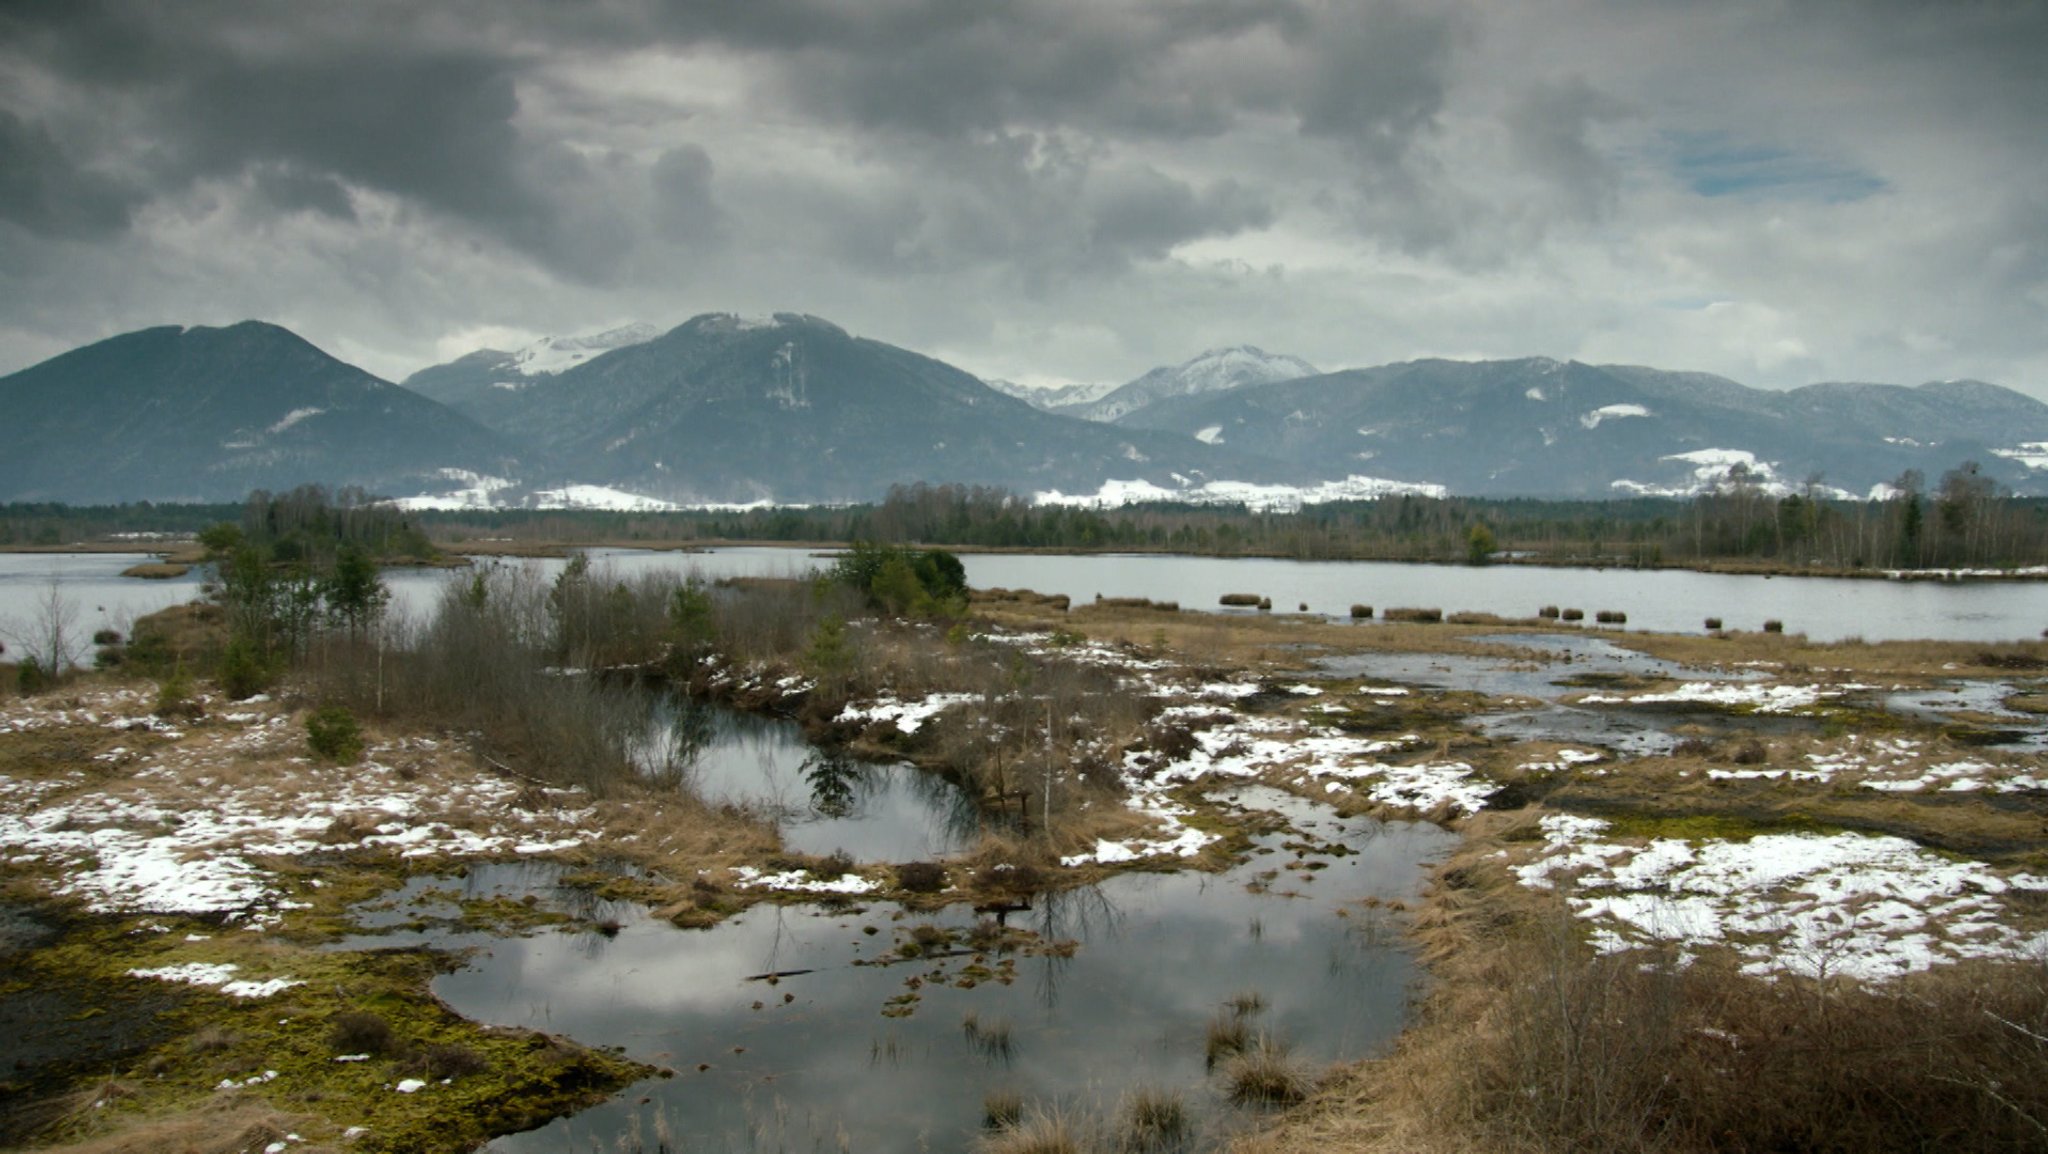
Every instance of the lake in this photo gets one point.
(1825, 609)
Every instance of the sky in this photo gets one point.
(1048, 190)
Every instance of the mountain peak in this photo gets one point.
(1212, 371)
(735, 323)
(550, 355)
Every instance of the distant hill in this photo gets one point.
(475, 384)
(793, 408)
(1539, 427)
(207, 414)
(1215, 371)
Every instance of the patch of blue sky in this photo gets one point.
(1716, 164)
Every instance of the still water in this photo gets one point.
(1825, 609)
(822, 802)
(812, 1058)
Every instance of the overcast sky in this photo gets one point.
(1047, 190)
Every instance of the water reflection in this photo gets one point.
(823, 801)
(809, 1053)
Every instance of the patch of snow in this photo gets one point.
(550, 355)
(1259, 498)
(1213, 435)
(798, 881)
(908, 716)
(1762, 696)
(1604, 413)
(293, 418)
(1868, 908)
(2032, 454)
(219, 975)
(598, 497)
(475, 492)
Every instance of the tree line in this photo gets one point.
(1962, 519)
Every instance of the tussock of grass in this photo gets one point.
(1264, 1073)
(1152, 1119)
(1227, 1037)
(1001, 1109)
(1038, 1131)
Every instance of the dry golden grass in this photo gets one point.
(1527, 1042)
(156, 570)
(230, 1124)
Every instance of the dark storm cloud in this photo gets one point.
(684, 208)
(1845, 179)
(45, 190)
(302, 106)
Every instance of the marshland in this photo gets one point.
(757, 849)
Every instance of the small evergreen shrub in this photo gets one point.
(332, 733)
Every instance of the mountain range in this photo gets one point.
(793, 409)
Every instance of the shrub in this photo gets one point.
(1361, 612)
(1774, 626)
(1424, 616)
(1573, 615)
(106, 637)
(332, 733)
(1713, 624)
(1243, 600)
(450, 1060)
(1611, 617)
(242, 673)
(174, 696)
(1265, 603)
(921, 877)
(1548, 611)
(29, 676)
(1751, 752)
(359, 1032)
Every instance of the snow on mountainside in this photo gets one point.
(1257, 498)
(550, 355)
(1215, 371)
(1055, 397)
(476, 384)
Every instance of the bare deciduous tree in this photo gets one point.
(50, 636)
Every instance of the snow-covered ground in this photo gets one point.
(1762, 697)
(1847, 905)
(187, 823)
(1259, 498)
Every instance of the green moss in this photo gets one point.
(1710, 827)
(198, 1038)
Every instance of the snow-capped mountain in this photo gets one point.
(1055, 398)
(474, 384)
(1540, 427)
(1215, 371)
(793, 408)
(550, 355)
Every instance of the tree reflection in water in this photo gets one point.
(835, 782)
